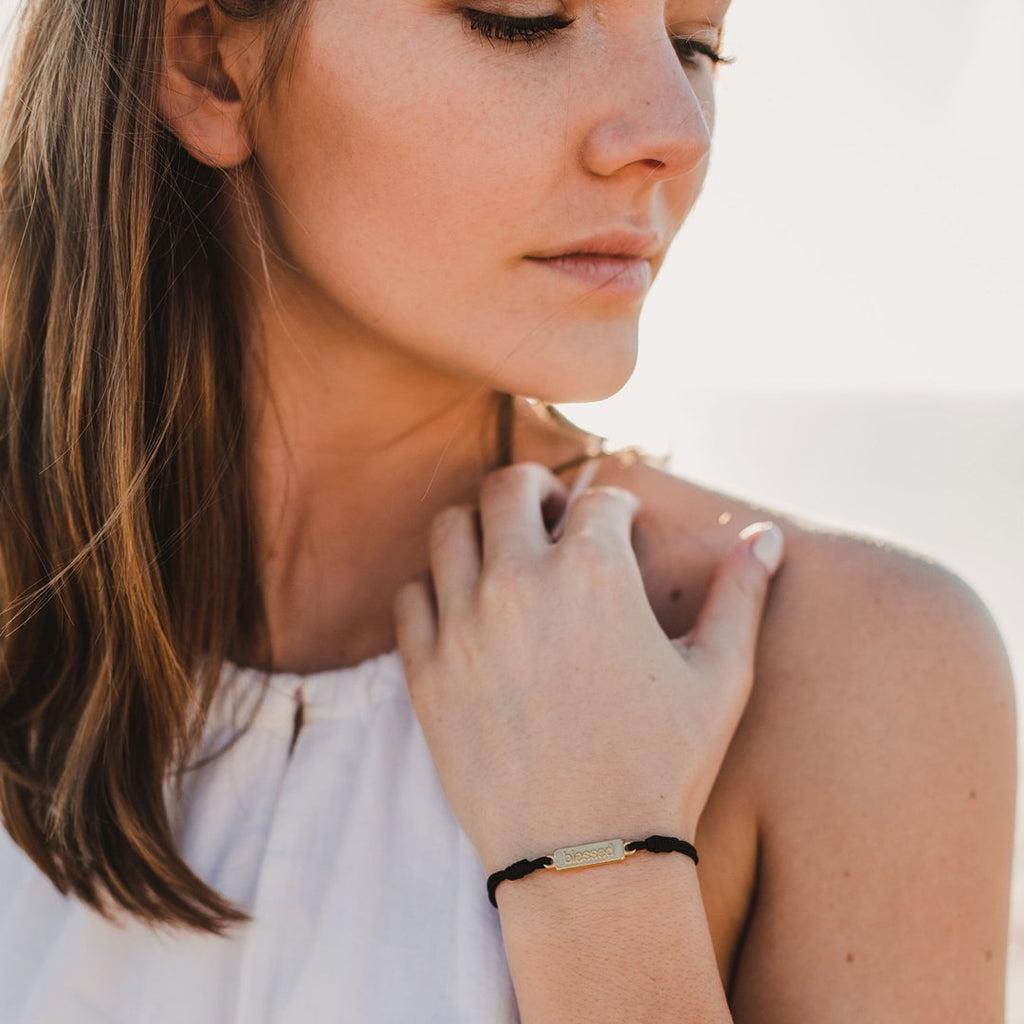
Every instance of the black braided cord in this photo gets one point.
(654, 844)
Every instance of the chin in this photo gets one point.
(597, 373)
(576, 394)
(591, 380)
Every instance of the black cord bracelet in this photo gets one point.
(604, 852)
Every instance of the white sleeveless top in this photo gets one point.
(369, 903)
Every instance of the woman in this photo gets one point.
(311, 627)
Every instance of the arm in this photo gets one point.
(887, 824)
(558, 711)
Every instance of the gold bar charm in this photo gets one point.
(589, 854)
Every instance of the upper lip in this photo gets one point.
(630, 244)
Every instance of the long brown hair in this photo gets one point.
(126, 545)
(127, 557)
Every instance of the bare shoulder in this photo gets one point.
(852, 622)
(876, 758)
(845, 611)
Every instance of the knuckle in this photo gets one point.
(459, 647)
(730, 661)
(608, 508)
(608, 497)
(590, 538)
(505, 572)
(505, 584)
(517, 476)
(611, 492)
(599, 550)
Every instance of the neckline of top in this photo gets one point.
(386, 665)
(368, 666)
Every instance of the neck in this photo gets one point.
(343, 514)
(354, 448)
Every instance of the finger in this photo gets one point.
(604, 515)
(415, 619)
(579, 485)
(512, 501)
(728, 623)
(454, 558)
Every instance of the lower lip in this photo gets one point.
(623, 275)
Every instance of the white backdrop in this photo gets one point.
(863, 222)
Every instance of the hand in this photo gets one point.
(555, 708)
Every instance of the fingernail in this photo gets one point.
(767, 549)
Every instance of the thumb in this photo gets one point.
(727, 625)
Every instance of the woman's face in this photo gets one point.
(416, 168)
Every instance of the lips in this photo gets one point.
(621, 244)
(613, 275)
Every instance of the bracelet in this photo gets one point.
(587, 855)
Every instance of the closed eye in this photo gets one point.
(501, 28)
(505, 29)
(691, 50)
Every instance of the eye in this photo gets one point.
(514, 30)
(691, 50)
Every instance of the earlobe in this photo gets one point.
(203, 81)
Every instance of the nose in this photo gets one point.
(648, 115)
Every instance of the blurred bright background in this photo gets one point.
(839, 329)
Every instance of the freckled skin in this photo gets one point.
(404, 110)
(814, 700)
(408, 170)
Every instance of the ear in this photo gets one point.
(209, 61)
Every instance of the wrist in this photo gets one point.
(542, 841)
(601, 854)
(593, 891)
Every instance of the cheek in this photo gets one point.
(404, 156)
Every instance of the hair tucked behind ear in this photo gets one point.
(126, 550)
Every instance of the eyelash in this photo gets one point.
(531, 31)
(515, 30)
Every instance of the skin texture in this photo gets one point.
(383, 331)
(855, 829)
(856, 848)
(501, 684)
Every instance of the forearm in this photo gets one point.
(614, 942)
